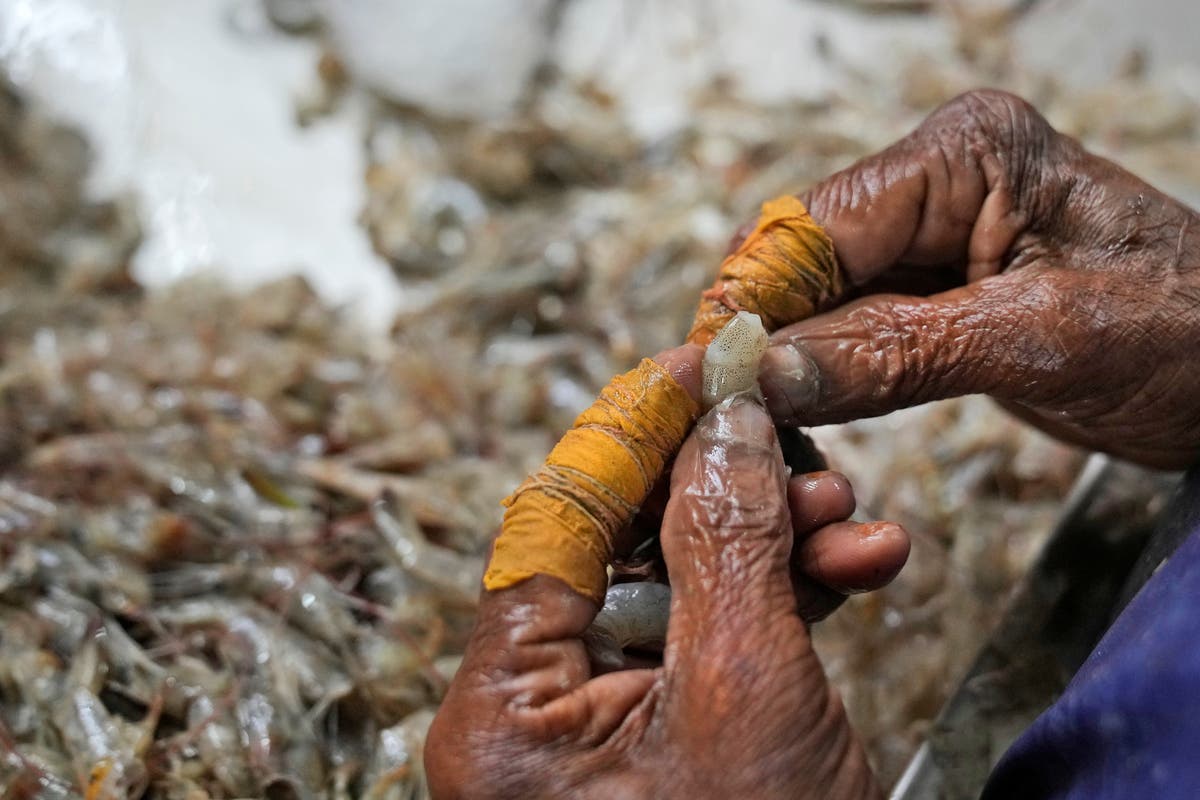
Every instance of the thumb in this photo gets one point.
(739, 669)
(726, 536)
(1007, 336)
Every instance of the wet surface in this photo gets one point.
(188, 474)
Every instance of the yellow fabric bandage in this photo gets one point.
(562, 520)
(784, 271)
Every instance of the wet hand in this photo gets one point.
(832, 557)
(740, 706)
(997, 256)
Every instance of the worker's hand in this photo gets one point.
(832, 557)
(740, 706)
(1075, 299)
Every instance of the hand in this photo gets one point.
(1071, 289)
(740, 706)
(832, 556)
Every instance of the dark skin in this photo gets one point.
(748, 550)
(1069, 288)
(990, 255)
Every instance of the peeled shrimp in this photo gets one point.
(731, 360)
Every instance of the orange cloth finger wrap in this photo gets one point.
(561, 521)
(784, 271)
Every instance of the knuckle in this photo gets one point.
(1044, 291)
(989, 126)
(991, 116)
(1047, 331)
(884, 352)
(850, 189)
(745, 513)
(1074, 322)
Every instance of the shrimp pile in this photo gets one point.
(236, 557)
(241, 541)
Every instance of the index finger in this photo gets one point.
(547, 573)
(566, 518)
(957, 191)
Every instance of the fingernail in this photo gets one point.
(684, 365)
(789, 380)
(739, 419)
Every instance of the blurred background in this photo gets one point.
(264, 261)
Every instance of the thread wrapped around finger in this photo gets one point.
(563, 519)
(784, 271)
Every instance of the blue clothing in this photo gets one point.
(1128, 724)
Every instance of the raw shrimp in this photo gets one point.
(102, 747)
(163, 452)
(396, 771)
(458, 576)
(731, 360)
(218, 743)
(634, 615)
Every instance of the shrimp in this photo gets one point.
(430, 503)
(731, 360)
(459, 576)
(101, 747)
(396, 771)
(634, 615)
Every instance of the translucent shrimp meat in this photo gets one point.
(731, 360)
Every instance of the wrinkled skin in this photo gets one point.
(1069, 288)
(831, 557)
(1027, 269)
(740, 706)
